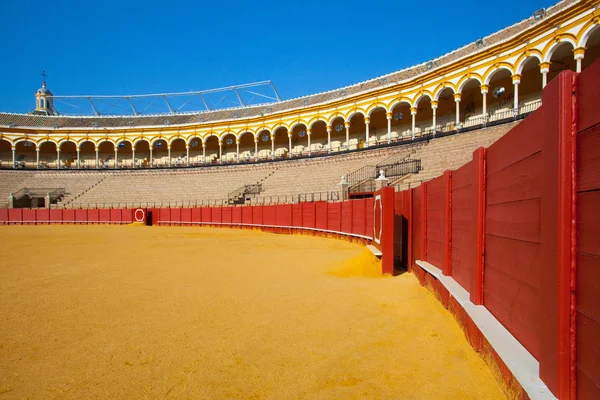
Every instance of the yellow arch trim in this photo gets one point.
(496, 67)
(557, 41)
(463, 81)
(440, 88)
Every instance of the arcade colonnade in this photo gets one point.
(498, 90)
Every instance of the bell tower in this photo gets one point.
(43, 99)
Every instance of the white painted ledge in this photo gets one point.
(524, 367)
(376, 252)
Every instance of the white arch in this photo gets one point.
(157, 139)
(60, 144)
(136, 141)
(418, 99)
(551, 50)
(355, 112)
(380, 106)
(334, 118)
(436, 96)
(205, 138)
(21, 140)
(488, 79)
(586, 36)
(524, 61)
(462, 85)
(295, 125)
(315, 121)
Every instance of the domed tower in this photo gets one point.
(43, 99)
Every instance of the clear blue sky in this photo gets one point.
(153, 46)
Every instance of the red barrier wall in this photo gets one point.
(247, 215)
(236, 215)
(347, 216)
(417, 224)
(269, 215)
(588, 243)
(257, 215)
(464, 225)
(308, 215)
(283, 215)
(297, 215)
(369, 217)
(29, 216)
(186, 215)
(321, 215)
(334, 217)
(226, 215)
(68, 216)
(359, 217)
(436, 206)
(206, 214)
(196, 214)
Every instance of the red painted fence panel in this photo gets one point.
(297, 215)
(81, 216)
(436, 222)
(196, 215)
(186, 216)
(358, 216)
(283, 215)
(321, 215)
(334, 217)
(226, 215)
(115, 216)
(464, 225)
(236, 215)
(15, 215)
(308, 215)
(417, 224)
(247, 215)
(3, 215)
(369, 203)
(215, 213)
(347, 216)
(257, 215)
(69, 216)
(164, 215)
(29, 216)
(269, 215)
(206, 215)
(56, 216)
(175, 215)
(93, 215)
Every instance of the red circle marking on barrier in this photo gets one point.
(135, 215)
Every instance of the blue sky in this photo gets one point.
(152, 46)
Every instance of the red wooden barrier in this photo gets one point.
(383, 222)
(56, 216)
(115, 216)
(369, 212)
(3, 215)
(247, 215)
(358, 216)
(283, 215)
(215, 215)
(297, 215)
(186, 216)
(308, 215)
(269, 215)
(257, 215)
(196, 215)
(236, 215)
(347, 216)
(321, 215)
(104, 216)
(436, 222)
(206, 214)
(15, 215)
(68, 216)
(81, 216)
(29, 216)
(226, 215)
(175, 216)
(464, 225)
(417, 224)
(127, 215)
(588, 245)
(334, 217)
(93, 215)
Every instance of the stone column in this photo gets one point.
(187, 154)
(308, 136)
(133, 156)
(381, 181)
(347, 126)
(367, 122)
(78, 158)
(290, 143)
(389, 122)
(413, 113)
(516, 79)
(169, 154)
(47, 200)
(256, 149)
(97, 157)
(203, 153)
(579, 53)
(434, 106)
(220, 151)
(457, 101)
(14, 157)
(58, 157)
(116, 157)
(151, 157)
(11, 201)
(544, 69)
(329, 138)
(484, 92)
(37, 158)
(237, 150)
(272, 146)
(344, 187)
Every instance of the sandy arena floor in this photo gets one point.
(110, 312)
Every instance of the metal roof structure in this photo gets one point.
(249, 94)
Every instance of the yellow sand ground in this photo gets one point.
(109, 312)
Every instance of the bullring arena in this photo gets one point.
(431, 233)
